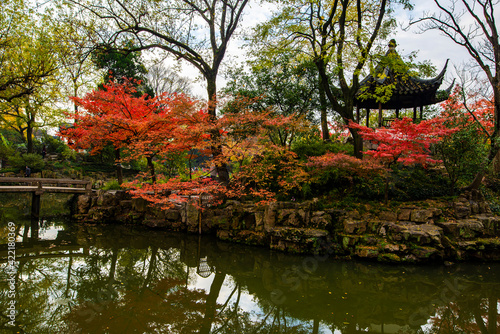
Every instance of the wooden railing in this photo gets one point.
(41, 185)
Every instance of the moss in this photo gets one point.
(345, 242)
(389, 257)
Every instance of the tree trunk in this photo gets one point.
(151, 167)
(119, 172)
(323, 108)
(151, 267)
(494, 148)
(357, 143)
(29, 137)
(216, 147)
(211, 302)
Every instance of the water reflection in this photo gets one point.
(115, 279)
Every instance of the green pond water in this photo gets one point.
(75, 278)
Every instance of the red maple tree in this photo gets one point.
(404, 142)
(461, 111)
(140, 126)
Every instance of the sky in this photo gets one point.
(430, 45)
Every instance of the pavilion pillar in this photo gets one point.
(414, 114)
(380, 115)
(421, 113)
(367, 117)
(357, 114)
(397, 113)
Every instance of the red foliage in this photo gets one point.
(405, 141)
(344, 162)
(141, 125)
(153, 127)
(480, 110)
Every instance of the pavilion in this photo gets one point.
(407, 91)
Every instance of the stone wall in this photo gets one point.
(429, 231)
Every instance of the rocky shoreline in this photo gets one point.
(423, 232)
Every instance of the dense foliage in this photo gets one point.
(265, 137)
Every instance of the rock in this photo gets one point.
(172, 215)
(297, 240)
(490, 223)
(192, 217)
(389, 257)
(421, 216)
(462, 229)
(484, 207)
(367, 252)
(391, 248)
(126, 204)
(474, 207)
(353, 226)
(83, 204)
(417, 233)
(404, 214)
(426, 253)
(156, 223)
(295, 234)
(462, 210)
(270, 216)
(259, 221)
(250, 237)
(139, 204)
(388, 216)
(321, 220)
(289, 217)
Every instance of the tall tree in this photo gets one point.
(32, 103)
(192, 30)
(164, 79)
(24, 60)
(122, 66)
(76, 68)
(472, 25)
(282, 84)
(339, 37)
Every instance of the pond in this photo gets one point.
(75, 278)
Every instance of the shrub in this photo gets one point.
(52, 144)
(411, 183)
(275, 173)
(20, 161)
(111, 185)
(462, 154)
(345, 175)
(313, 146)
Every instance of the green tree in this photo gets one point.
(27, 114)
(36, 107)
(121, 65)
(284, 85)
(338, 36)
(25, 60)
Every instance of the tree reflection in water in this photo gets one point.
(115, 279)
(476, 312)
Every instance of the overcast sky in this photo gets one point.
(430, 45)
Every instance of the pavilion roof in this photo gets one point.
(408, 92)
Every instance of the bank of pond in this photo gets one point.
(107, 263)
(431, 231)
(110, 278)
